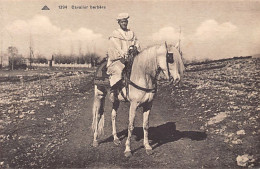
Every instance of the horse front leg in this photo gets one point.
(146, 112)
(113, 116)
(132, 113)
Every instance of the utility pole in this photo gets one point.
(1, 53)
(80, 49)
(71, 48)
(12, 60)
(12, 52)
(31, 51)
(180, 41)
(80, 57)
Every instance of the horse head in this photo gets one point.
(170, 62)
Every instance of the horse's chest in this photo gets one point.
(140, 96)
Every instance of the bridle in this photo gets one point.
(169, 59)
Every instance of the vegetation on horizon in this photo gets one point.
(16, 60)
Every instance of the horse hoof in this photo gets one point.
(95, 143)
(117, 142)
(128, 154)
(149, 151)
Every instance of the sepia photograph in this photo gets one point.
(130, 84)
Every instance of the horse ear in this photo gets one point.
(177, 45)
(166, 46)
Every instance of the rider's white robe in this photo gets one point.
(119, 43)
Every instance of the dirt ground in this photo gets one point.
(210, 120)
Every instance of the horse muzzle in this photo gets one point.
(176, 81)
(173, 81)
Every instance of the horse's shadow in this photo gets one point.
(160, 135)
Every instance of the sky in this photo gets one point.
(209, 29)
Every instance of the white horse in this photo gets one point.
(142, 88)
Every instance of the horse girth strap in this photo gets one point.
(153, 90)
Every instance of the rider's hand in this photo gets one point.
(133, 50)
(122, 60)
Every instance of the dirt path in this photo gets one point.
(170, 140)
(177, 140)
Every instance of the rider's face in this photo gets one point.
(123, 24)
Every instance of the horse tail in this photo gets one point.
(101, 125)
(98, 113)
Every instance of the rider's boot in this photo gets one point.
(114, 91)
(113, 94)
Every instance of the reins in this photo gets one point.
(169, 59)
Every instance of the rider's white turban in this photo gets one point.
(122, 16)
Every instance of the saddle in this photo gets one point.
(100, 76)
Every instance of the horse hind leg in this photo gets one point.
(113, 116)
(98, 115)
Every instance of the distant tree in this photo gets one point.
(207, 60)
(90, 58)
(12, 53)
(40, 59)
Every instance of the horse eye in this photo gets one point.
(170, 58)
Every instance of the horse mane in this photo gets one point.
(147, 57)
(148, 51)
(150, 46)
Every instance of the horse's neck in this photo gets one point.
(144, 67)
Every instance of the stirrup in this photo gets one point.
(113, 96)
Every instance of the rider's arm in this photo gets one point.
(115, 52)
(115, 49)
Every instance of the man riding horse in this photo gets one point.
(123, 45)
(139, 87)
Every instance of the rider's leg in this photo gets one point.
(114, 90)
